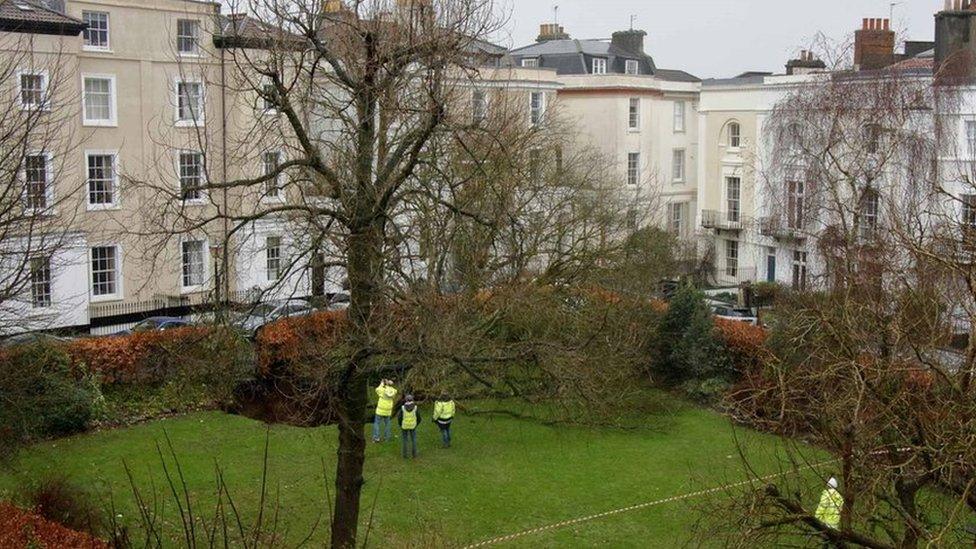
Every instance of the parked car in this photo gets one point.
(31, 338)
(734, 314)
(339, 302)
(156, 324)
(265, 313)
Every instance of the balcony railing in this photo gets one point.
(734, 275)
(776, 227)
(727, 221)
(161, 302)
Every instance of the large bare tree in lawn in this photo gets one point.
(370, 103)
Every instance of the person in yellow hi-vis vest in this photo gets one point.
(831, 504)
(444, 409)
(409, 418)
(386, 395)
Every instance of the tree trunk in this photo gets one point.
(349, 468)
(365, 270)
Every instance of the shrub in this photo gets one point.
(708, 390)
(287, 344)
(20, 528)
(58, 500)
(148, 374)
(744, 344)
(42, 394)
(765, 294)
(687, 348)
(146, 358)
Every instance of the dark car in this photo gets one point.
(156, 324)
(32, 338)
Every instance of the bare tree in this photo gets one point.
(862, 366)
(388, 171)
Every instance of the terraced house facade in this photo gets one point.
(154, 107)
(147, 99)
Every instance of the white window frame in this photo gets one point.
(534, 119)
(680, 116)
(116, 191)
(530, 63)
(796, 204)
(202, 115)
(35, 303)
(599, 65)
(734, 140)
(732, 267)
(678, 175)
(799, 271)
(119, 291)
(108, 32)
(205, 259)
(633, 169)
(280, 258)
(278, 196)
(45, 103)
(112, 120)
(196, 38)
(968, 210)
(632, 67)
(265, 107)
(869, 212)
(48, 183)
(676, 218)
(634, 114)
(203, 176)
(969, 129)
(730, 201)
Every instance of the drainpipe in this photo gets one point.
(223, 160)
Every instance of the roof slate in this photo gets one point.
(573, 56)
(31, 16)
(672, 75)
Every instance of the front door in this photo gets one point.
(771, 266)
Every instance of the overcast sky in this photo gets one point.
(717, 38)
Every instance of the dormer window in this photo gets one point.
(632, 67)
(599, 65)
(532, 63)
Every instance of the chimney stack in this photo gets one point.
(551, 31)
(874, 45)
(807, 63)
(631, 41)
(955, 42)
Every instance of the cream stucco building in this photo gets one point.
(639, 116)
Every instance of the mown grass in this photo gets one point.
(504, 475)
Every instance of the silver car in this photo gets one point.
(265, 313)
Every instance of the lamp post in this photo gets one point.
(215, 250)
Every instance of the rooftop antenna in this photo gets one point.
(633, 19)
(891, 11)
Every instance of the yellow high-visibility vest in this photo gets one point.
(386, 394)
(444, 410)
(409, 419)
(828, 512)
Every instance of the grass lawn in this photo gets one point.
(504, 475)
